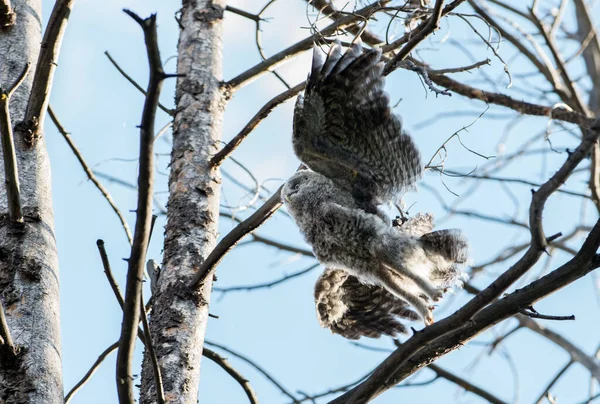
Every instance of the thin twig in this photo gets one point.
(243, 13)
(461, 69)
(576, 353)
(90, 372)
(254, 122)
(234, 236)
(255, 366)
(108, 272)
(113, 282)
(90, 173)
(5, 331)
(136, 262)
(226, 366)
(530, 312)
(270, 242)
(575, 99)
(44, 71)
(407, 37)
(555, 379)
(425, 29)
(523, 107)
(269, 64)
(512, 181)
(459, 381)
(11, 171)
(268, 284)
(134, 83)
(544, 66)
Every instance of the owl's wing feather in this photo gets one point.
(352, 309)
(345, 129)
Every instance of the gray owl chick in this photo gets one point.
(413, 267)
(345, 129)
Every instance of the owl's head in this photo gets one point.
(306, 189)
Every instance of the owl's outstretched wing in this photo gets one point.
(345, 129)
(353, 310)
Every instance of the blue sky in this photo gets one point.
(277, 327)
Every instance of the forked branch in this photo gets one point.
(136, 261)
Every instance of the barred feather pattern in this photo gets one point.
(353, 310)
(344, 128)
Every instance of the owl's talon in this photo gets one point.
(429, 319)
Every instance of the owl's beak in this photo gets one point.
(287, 198)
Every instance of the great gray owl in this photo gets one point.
(346, 133)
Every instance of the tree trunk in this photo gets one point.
(179, 316)
(29, 285)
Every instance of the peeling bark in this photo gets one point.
(179, 316)
(29, 286)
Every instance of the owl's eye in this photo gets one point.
(295, 186)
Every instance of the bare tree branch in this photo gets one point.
(270, 242)
(134, 83)
(555, 379)
(576, 353)
(90, 173)
(542, 66)
(5, 338)
(575, 97)
(44, 71)
(522, 107)
(255, 366)
(226, 366)
(268, 284)
(11, 171)
(425, 29)
(269, 64)
(136, 262)
(233, 237)
(459, 381)
(108, 272)
(254, 122)
(530, 312)
(91, 371)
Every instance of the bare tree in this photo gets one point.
(31, 368)
(501, 61)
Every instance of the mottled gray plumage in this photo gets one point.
(346, 133)
(344, 236)
(353, 309)
(345, 129)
